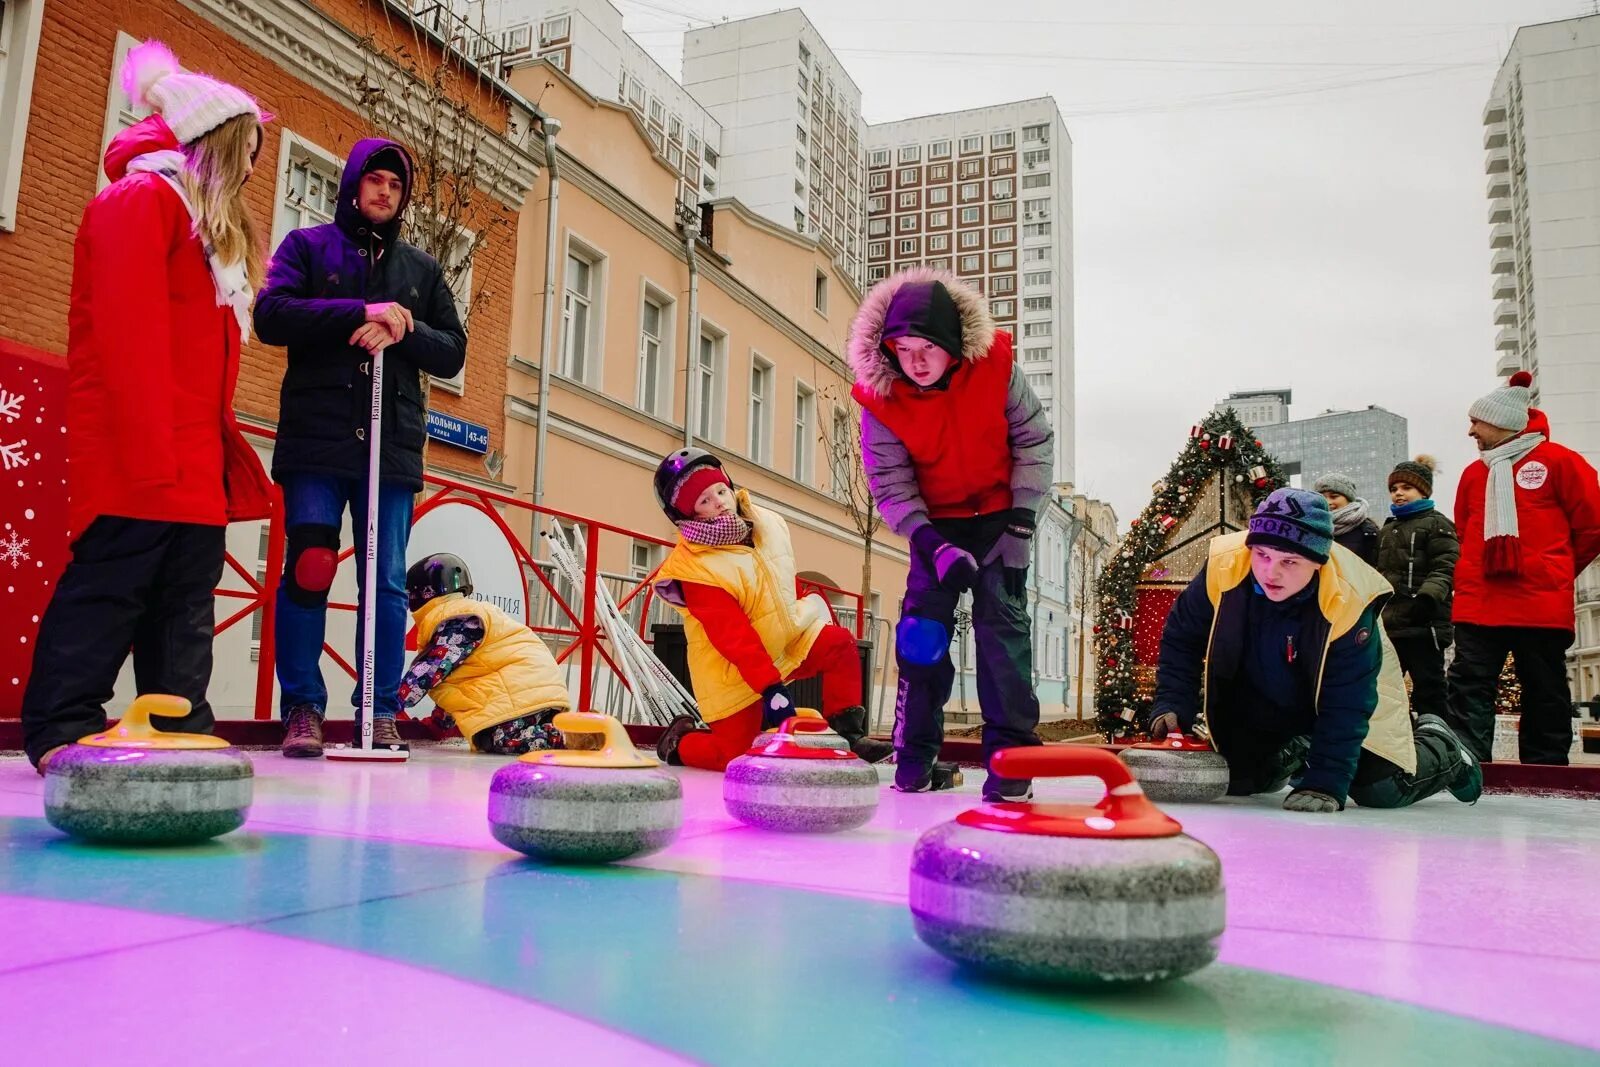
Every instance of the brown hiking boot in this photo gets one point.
(302, 734)
(384, 733)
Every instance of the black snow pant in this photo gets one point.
(1422, 657)
(1540, 656)
(1259, 764)
(1003, 634)
(131, 584)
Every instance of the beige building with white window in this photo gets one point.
(745, 347)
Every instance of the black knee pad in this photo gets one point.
(312, 560)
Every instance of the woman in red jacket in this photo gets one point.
(164, 267)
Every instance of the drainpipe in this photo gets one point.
(689, 224)
(552, 127)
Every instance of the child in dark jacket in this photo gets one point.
(1417, 553)
(1276, 653)
(1353, 526)
(958, 452)
(732, 578)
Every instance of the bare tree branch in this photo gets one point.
(847, 477)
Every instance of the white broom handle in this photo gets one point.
(369, 605)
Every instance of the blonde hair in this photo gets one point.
(213, 177)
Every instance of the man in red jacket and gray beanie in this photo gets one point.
(1529, 519)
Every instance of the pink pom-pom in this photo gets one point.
(146, 65)
(1522, 378)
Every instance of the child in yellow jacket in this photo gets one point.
(484, 669)
(732, 578)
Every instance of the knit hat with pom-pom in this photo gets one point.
(1417, 473)
(1506, 407)
(192, 104)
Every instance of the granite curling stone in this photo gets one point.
(782, 784)
(597, 801)
(136, 785)
(1178, 770)
(1113, 894)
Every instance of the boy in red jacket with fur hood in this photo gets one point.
(958, 452)
(1529, 519)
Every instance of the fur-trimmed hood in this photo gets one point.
(873, 368)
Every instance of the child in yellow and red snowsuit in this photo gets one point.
(489, 675)
(732, 578)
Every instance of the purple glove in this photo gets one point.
(954, 566)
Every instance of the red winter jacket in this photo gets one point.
(1558, 522)
(151, 361)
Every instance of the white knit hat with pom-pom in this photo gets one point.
(192, 104)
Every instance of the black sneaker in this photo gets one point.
(673, 735)
(1007, 790)
(1467, 785)
(909, 778)
(302, 733)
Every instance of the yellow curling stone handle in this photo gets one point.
(615, 751)
(134, 729)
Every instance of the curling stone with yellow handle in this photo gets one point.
(135, 785)
(597, 801)
(782, 784)
(1068, 894)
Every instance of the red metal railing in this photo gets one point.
(581, 630)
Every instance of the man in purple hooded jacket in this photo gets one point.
(335, 294)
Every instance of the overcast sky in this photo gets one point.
(1266, 193)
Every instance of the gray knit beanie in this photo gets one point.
(1294, 520)
(1506, 407)
(1337, 483)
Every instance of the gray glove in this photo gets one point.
(1163, 724)
(1310, 800)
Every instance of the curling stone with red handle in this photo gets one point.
(1068, 894)
(597, 801)
(781, 784)
(1178, 769)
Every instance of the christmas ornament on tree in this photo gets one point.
(1167, 522)
(1225, 441)
(1258, 474)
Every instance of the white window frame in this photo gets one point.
(1036, 181)
(876, 204)
(972, 143)
(938, 242)
(758, 409)
(1037, 303)
(804, 442)
(120, 112)
(970, 263)
(1037, 277)
(939, 150)
(20, 25)
(877, 272)
(841, 426)
(1002, 188)
(1002, 140)
(879, 157)
(908, 175)
(971, 238)
(462, 292)
(294, 150)
(878, 181)
(1043, 328)
(819, 291)
(548, 28)
(1001, 235)
(667, 327)
(878, 227)
(939, 194)
(1003, 309)
(712, 396)
(938, 220)
(911, 153)
(907, 200)
(970, 191)
(1041, 254)
(594, 325)
(905, 224)
(907, 246)
(877, 249)
(1035, 229)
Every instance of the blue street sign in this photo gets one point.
(458, 432)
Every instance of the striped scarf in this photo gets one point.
(1502, 548)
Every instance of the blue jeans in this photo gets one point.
(318, 499)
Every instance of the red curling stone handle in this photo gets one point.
(1063, 761)
(1124, 811)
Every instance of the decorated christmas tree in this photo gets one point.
(1508, 694)
(1212, 488)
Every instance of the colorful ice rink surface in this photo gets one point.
(365, 916)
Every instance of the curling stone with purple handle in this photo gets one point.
(1068, 894)
(1178, 769)
(781, 784)
(592, 804)
(136, 785)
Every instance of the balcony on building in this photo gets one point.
(1502, 236)
(1508, 340)
(1508, 364)
(1498, 160)
(1494, 111)
(1499, 186)
(1499, 210)
(1503, 262)
(1505, 313)
(1505, 286)
(1495, 135)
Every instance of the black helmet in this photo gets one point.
(671, 472)
(434, 576)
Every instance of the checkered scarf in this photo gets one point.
(723, 531)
